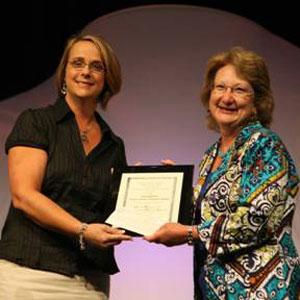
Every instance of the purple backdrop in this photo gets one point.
(163, 50)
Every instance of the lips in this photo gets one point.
(84, 83)
(230, 109)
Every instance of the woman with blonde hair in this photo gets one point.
(62, 161)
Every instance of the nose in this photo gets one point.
(228, 88)
(227, 95)
(86, 69)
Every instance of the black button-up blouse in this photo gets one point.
(84, 185)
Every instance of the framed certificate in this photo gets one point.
(150, 196)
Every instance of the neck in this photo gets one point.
(83, 109)
(227, 139)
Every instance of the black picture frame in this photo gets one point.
(186, 203)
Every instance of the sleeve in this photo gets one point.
(29, 130)
(122, 157)
(262, 200)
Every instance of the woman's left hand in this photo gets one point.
(170, 234)
(168, 162)
(103, 236)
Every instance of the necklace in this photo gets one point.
(84, 133)
(222, 154)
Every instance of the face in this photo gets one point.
(85, 75)
(231, 100)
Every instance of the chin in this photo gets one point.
(232, 124)
(85, 95)
(227, 121)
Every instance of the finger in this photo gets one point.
(108, 244)
(150, 238)
(115, 230)
(167, 162)
(113, 242)
(119, 237)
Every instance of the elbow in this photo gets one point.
(19, 199)
(16, 201)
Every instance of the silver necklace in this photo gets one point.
(222, 154)
(84, 133)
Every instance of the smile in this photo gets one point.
(230, 109)
(83, 83)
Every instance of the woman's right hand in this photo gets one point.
(103, 236)
(170, 234)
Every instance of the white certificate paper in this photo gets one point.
(146, 201)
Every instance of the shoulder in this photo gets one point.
(266, 139)
(266, 159)
(118, 139)
(256, 136)
(265, 146)
(266, 133)
(40, 115)
(31, 128)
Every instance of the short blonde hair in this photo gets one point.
(113, 78)
(250, 67)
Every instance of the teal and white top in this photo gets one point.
(245, 218)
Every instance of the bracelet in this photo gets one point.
(190, 239)
(82, 229)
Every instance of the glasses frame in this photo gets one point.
(94, 66)
(237, 90)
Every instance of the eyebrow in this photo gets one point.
(82, 58)
(236, 84)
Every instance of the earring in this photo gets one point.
(64, 89)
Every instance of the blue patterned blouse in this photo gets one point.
(245, 218)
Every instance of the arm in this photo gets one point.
(26, 166)
(268, 177)
(173, 234)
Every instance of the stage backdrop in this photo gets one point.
(163, 50)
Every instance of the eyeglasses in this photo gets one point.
(94, 66)
(237, 90)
